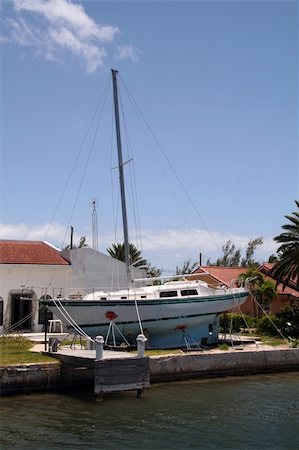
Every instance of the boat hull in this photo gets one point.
(167, 323)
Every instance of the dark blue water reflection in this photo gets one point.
(257, 412)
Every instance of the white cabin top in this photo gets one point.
(196, 288)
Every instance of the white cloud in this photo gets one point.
(22, 34)
(39, 232)
(199, 240)
(57, 28)
(164, 248)
(64, 13)
(128, 52)
(66, 40)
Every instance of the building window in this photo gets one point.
(1, 311)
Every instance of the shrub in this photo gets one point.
(236, 322)
(269, 325)
(290, 315)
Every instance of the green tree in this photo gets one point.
(289, 316)
(117, 251)
(287, 267)
(231, 256)
(188, 267)
(153, 271)
(82, 244)
(262, 289)
(252, 245)
(272, 258)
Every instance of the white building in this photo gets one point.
(30, 270)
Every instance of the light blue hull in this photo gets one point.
(167, 323)
(170, 333)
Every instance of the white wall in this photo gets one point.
(92, 270)
(36, 280)
(89, 270)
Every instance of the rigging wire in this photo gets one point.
(141, 115)
(102, 98)
(87, 161)
(267, 315)
(115, 204)
(133, 187)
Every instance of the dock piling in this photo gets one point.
(99, 347)
(141, 340)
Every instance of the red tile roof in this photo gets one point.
(226, 274)
(29, 252)
(223, 274)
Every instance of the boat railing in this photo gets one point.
(79, 293)
(194, 277)
(239, 282)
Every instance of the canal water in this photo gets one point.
(254, 412)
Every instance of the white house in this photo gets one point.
(30, 270)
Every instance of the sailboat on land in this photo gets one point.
(174, 314)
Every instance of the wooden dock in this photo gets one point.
(121, 374)
(117, 371)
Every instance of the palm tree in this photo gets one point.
(266, 293)
(263, 290)
(287, 267)
(117, 251)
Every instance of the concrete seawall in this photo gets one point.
(54, 376)
(167, 368)
(29, 378)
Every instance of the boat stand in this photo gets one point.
(73, 337)
(190, 343)
(111, 329)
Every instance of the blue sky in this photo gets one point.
(218, 85)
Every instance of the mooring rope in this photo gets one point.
(70, 319)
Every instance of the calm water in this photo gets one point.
(257, 412)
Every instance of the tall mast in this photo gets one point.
(121, 175)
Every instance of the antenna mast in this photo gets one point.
(94, 226)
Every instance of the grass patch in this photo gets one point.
(223, 346)
(72, 342)
(16, 350)
(272, 340)
(175, 351)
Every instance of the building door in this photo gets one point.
(21, 311)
